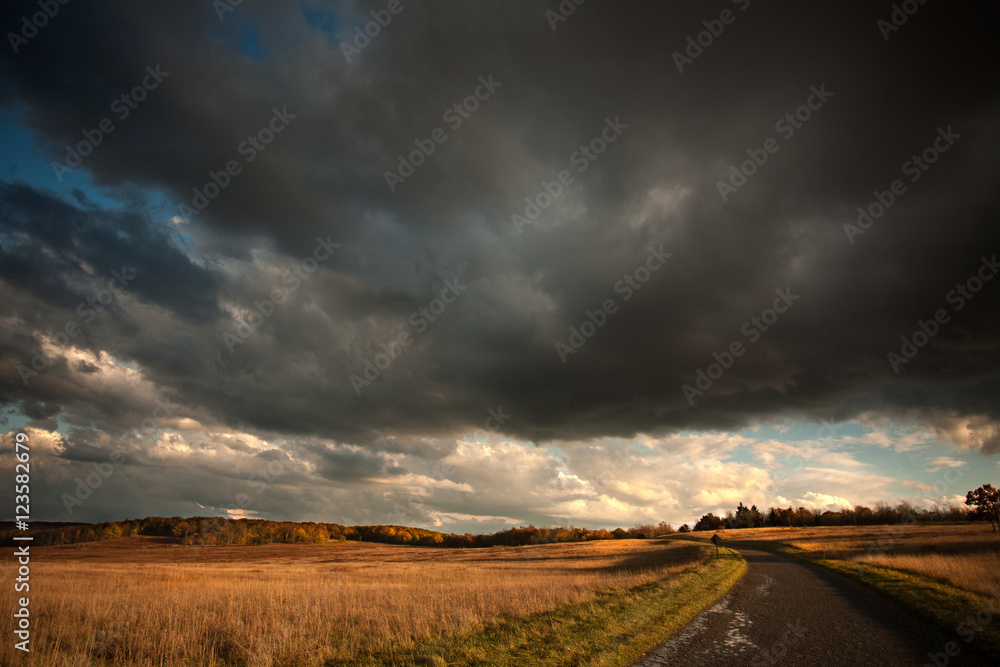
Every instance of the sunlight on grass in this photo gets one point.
(966, 555)
(947, 574)
(306, 604)
(975, 571)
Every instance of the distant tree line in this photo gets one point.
(859, 515)
(984, 501)
(217, 531)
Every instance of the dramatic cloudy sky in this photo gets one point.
(189, 391)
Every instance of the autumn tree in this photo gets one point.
(986, 500)
(183, 529)
(709, 522)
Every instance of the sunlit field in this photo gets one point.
(965, 556)
(143, 601)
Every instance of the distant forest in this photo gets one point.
(222, 532)
(860, 515)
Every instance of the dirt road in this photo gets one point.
(786, 612)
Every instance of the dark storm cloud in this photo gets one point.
(53, 248)
(346, 464)
(35, 410)
(656, 184)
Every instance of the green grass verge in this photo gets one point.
(953, 610)
(615, 629)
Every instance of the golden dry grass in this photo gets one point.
(976, 572)
(139, 603)
(965, 556)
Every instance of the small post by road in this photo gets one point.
(715, 541)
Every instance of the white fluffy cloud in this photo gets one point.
(478, 483)
(821, 502)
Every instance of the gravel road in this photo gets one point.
(786, 612)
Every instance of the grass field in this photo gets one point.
(947, 574)
(965, 556)
(142, 601)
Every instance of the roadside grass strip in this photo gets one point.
(615, 629)
(970, 620)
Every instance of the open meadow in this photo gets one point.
(148, 601)
(966, 556)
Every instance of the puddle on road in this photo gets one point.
(735, 639)
(764, 588)
(733, 642)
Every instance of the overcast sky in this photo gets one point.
(472, 265)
